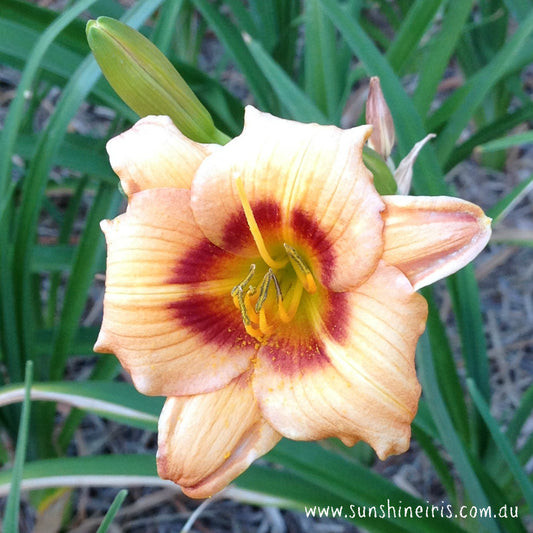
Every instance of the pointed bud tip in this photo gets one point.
(378, 114)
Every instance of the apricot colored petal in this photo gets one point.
(354, 378)
(207, 440)
(307, 186)
(429, 238)
(154, 153)
(169, 320)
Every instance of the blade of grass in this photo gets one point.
(507, 203)
(18, 344)
(465, 293)
(11, 517)
(297, 103)
(502, 443)
(411, 32)
(87, 471)
(520, 416)
(448, 436)
(409, 126)
(16, 110)
(481, 85)
(165, 27)
(34, 185)
(519, 8)
(232, 40)
(449, 383)
(115, 401)
(106, 369)
(333, 473)
(510, 141)
(441, 48)
(112, 511)
(322, 72)
(442, 468)
(488, 132)
(88, 255)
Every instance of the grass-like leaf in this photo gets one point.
(503, 444)
(112, 511)
(297, 103)
(482, 84)
(115, 401)
(438, 56)
(11, 517)
(234, 43)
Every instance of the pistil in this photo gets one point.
(254, 229)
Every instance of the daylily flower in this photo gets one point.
(268, 290)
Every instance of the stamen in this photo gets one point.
(264, 326)
(239, 296)
(254, 229)
(302, 270)
(287, 315)
(249, 306)
(245, 281)
(263, 290)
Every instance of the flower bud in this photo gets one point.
(146, 80)
(379, 116)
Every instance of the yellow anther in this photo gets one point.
(302, 270)
(254, 229)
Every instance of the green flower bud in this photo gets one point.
(146, 80)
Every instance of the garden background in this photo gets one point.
(73, 431)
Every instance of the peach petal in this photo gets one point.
(207, 440)
(154, 153)
(307, 186)
(429, 238)
(175, 334)
(357, 385)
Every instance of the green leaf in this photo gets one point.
(408, 124)
(465, 469)
(481, 85)
(116, 401)
(112, 511)
(503, 444)
(507, 203)
(411, 32)
(297, 103)
(489, 132)
(233, 41)
(360, 487)
(521, 415)
(509, 141)
(440, 49)
(322, 72)
(11, 517)
(89, 471)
